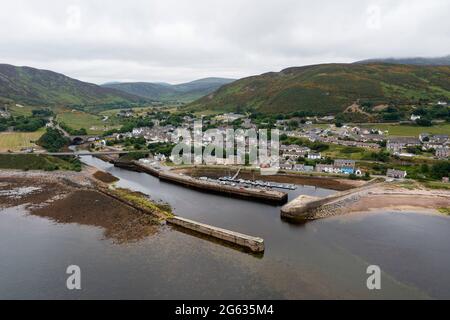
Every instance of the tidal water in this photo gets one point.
(321, 259)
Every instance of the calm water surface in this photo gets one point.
(321, 259)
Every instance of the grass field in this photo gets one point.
(14, 141)
(411, 131)
(343, 152)
(38, 162)
(206, 113)
(143, 111)
(92, 123)
(109, 113)
(437, 185)
(137, 111)
(22, 110)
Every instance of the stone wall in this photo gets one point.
(270, 196)
(254, 244)
(309, 208)
(335, 208)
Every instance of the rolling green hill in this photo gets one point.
(185, 92)
(329, 88)
(31, 86)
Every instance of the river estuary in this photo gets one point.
(320, 259)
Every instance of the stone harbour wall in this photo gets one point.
(310, 208)
(254, 244)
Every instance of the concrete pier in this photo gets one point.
(268, 196)
(254, 244)
(310, 208)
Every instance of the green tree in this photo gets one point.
(440, 170)
(424, 168)
(424, 122)
(53, 140)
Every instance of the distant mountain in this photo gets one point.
(32, 86)
(151, 91)
(329, 88)
(440, 61)
(185, 92)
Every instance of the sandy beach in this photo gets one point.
(379, 195)
(402, 203)
(394, 196)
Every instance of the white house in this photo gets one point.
(314, 156)
(286, 166)
(303, 168)
(396, 174)
(160, 157)
(443, 153)
(328, 168)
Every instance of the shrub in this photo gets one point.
(53, 140)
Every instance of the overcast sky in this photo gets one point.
(183, 40)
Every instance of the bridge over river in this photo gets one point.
(77, 140)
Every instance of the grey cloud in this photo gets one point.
(180, 40)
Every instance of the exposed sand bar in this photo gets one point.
(400, 202)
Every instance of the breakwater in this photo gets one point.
(253, 244)
(268, 196)
(311, 208)
(250, 243)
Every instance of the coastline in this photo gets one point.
(406, 203)
(61, 185)
(91, 198)
(402, 209)
(386, 196)
(75, 197)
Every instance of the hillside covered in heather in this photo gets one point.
(330, 88)
(32, 86)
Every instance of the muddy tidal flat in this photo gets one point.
(66, 197)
